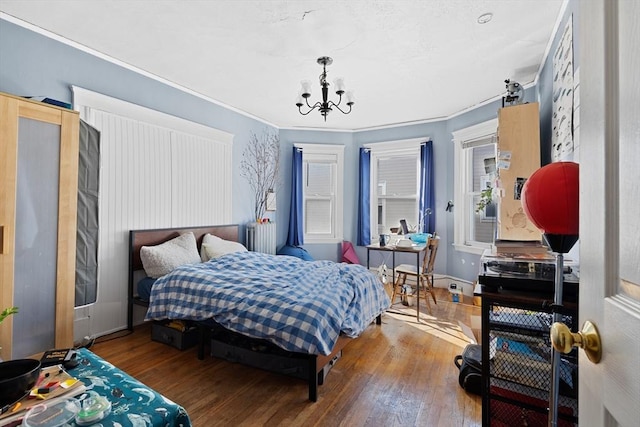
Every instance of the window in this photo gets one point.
(395, 176)
(475, 173)
(322, 175)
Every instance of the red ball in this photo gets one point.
(550, 198)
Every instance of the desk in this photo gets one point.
(132, 402)
(416, 249)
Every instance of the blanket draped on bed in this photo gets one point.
(301, 306)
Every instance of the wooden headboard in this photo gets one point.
(140, 238)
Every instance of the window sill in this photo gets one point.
(477, 250)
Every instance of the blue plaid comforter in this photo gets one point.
(300, 306)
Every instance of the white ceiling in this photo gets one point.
(406, 61)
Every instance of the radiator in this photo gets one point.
(261, 237)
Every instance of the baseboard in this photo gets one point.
(443, 281)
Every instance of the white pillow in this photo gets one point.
(163, 258)
(214, 247)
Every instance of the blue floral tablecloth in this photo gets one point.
(133, 404)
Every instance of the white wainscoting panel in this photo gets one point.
(152, 176)
(135, 192)
(200, 186)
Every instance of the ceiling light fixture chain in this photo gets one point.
(325, 106)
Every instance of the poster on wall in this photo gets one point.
(562, 118)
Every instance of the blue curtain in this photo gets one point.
(296, 231)
(364, 200)
(427, 198)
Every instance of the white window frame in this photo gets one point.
(381, 150)
(463, 209)
(327, 153)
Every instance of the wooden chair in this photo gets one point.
(424, 278)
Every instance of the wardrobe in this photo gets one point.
(38, 193)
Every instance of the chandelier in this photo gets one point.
(325, 106)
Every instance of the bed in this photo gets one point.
(152, 237)
(247, 295)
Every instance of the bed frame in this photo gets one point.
(138, 238)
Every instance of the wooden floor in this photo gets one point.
(400, 373)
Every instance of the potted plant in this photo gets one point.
(486, 198)
(4, 314)
(8, 312)
(260, 165)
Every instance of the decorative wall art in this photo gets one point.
(562, 119)
(271, 201)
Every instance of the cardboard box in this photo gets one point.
(477, 290)
(473, 331)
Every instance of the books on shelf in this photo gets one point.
(519, 247)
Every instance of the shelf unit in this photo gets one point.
(516, 355)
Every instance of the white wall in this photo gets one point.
(156, 172)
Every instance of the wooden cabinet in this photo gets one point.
(518, 158)
(38, 193)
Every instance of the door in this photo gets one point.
(609, 153)
(38, 198)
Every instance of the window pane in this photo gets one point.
(322, 192)
(483, 165)
(319, 179)
(483, 223)
(398, 176)
(318, 216)
(397, 191)
(393, 210)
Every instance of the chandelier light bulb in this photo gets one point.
(350, 98)
(305, 88)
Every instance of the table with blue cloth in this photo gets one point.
(132, 403)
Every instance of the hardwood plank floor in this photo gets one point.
(398, 374)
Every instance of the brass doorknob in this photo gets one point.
(588, 339)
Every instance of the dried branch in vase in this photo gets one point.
(260, 165)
